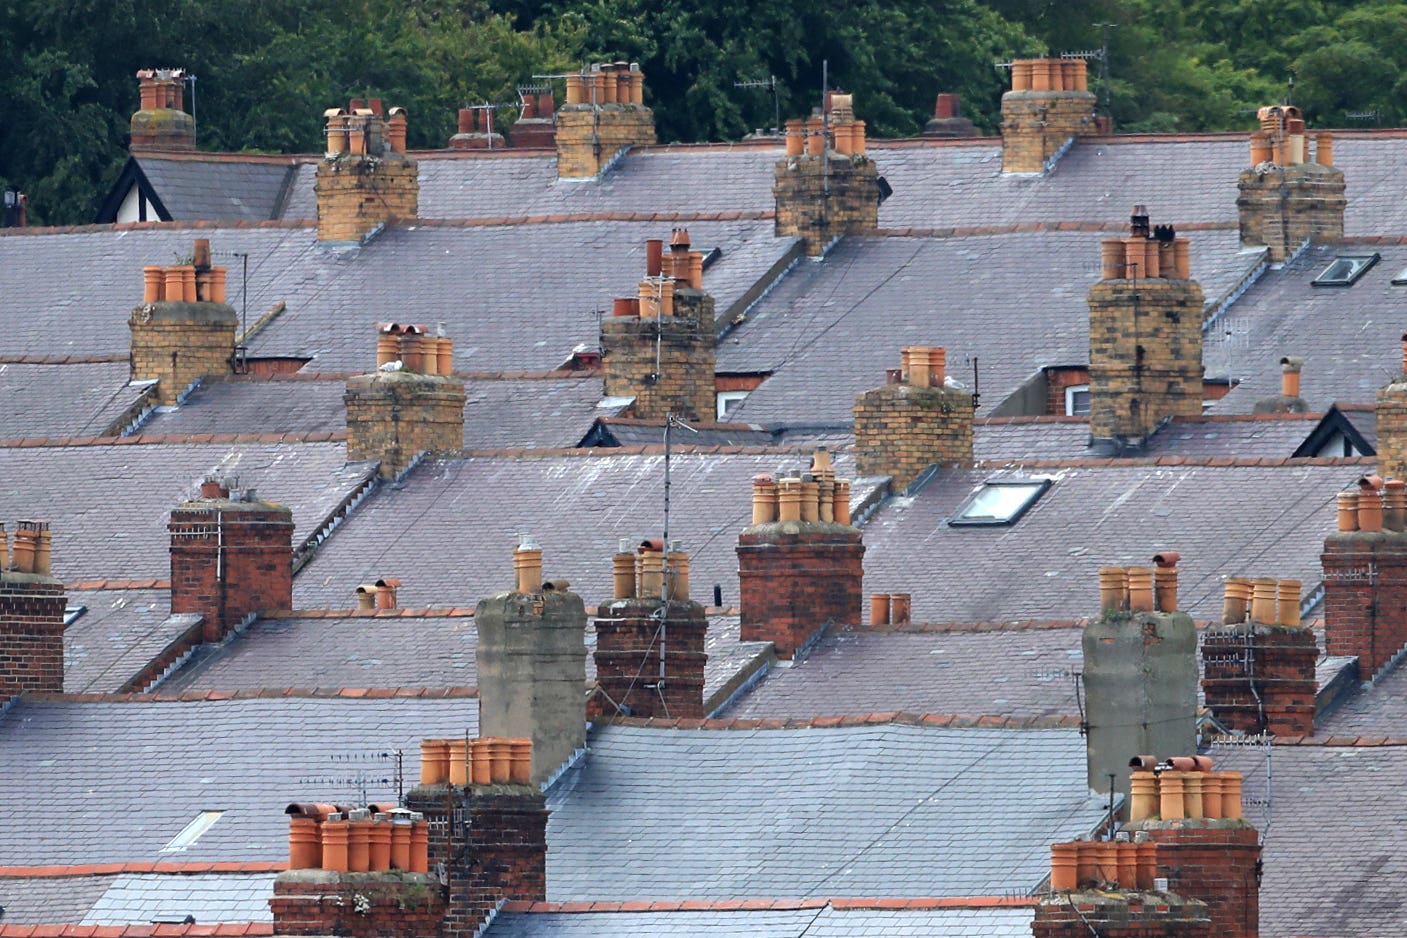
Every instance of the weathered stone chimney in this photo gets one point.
(231, 557)
(650, 652)
(31, 614)
(800, 563)
(1140, 673)
(1391, 414)
(1145, 336)
(1365, 575)
(604, 116)
(826, 186)
(914, 421)
(410, 405)
(365, 179)
(183, 330)
(1285, 198)
(659, 347)
(948, 120)
(536, 123)
(161, 123)
(1048, 106)
(532, 664)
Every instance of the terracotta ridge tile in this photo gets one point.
(1218, 462)
(111, 869)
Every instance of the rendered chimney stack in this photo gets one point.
(799, 576)
(365, 179)
(1048, 107)
(161, 122)
(1284, 199)
(1145, 325)
(826, 187)
(1365, 574)
(902, 429)
(948, 120)
(604, 116)
(532, 663)
(411, 404)
(183, 330)
(32, 604)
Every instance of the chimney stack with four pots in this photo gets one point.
(903, 427)
(826, 186)
(1048, 106)
(604, 115)
(183, 330)
(161, 121)
(365, 179)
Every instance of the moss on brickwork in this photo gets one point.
(392, 416)
(1036, 124)
(901, 430)
(820, 198)
(357, 193)
(1284, 207)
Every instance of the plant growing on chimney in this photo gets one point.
(361, 904)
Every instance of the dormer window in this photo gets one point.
(999, 502)
(1345, 270)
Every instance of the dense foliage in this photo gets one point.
(267, 68)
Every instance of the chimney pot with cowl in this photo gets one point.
(1284, 198)
(161, 122)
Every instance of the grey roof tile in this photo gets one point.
(210, 898)
(1376, 710)
(1208, 437)
(825, 922)
(81, 399)
(49, 900)
(217, 190)
(119, 632)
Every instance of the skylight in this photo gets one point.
(1345, 270)
(1000, 502)
(192, 831)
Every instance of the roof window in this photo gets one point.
(1345, 270)
(999, 502)
(192, 831)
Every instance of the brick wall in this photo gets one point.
(588, 137)
(1036, 124)
(1260, 678)
(177, 343)
(665, 362)
(31, 633)
(1391, 413)
(901, 430)
(1215, 861)
(1056, 381)
(1145, 352)
(1282, 208)
(393, 415)
(1121, 915)
(357, 905)
(228, 559)
(795, 578)
(820, 198)
(356, 193)
(628, 638)
(1365, 597)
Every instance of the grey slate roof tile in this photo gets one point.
(211, 190)
(1208, 437)
(118, 634)
(1050, 438)
(210, 898)
(1379, 710)
(49, 900)
(826, 922)
(63, 400)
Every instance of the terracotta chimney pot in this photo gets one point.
(1212, 793)
(1182, 250)
(900, 608)
(1287, 594)
(1140, 581)
(380, 845)
(842, 501)
(576, 89)
(1324, 148)
(1111, 259)
(480, 764)
(1147, 854)
(1348, 511)
(1171, 806)
(457, 757)
(1231, 794)
(1021, 71)
(1063, 868)
(789, 500)
(304, 844)
(764, 499)
(1263, 601)
(1143, 795)
(1394, 505)
(1370, 509)
(359, 846)
(1290, 367)
(420, 846)
(335, 846)
(651, 573)
(520, 761)
(677, 579)
(500, 760)
(879, 609)
(527, 564)
(1128, 864)
(623, 574)
(810, 495)
(796, 137)
(1234, 604)
(815, 136)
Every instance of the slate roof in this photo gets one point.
(818, 329)
(1376, 710)
(249, 406)
(119, 632)
(108, 505)
(140, 898)
(999, 439)
(79, 399)
(1224, 520)
(120, 780)
(218, 189)
(50, 899)
(1207, 437)
(883, 810)
(627, 432)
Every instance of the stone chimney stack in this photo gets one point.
(604, 116)
(365, 179)
(1140, 672)
(1048, 106)
(532, 664)
(826, 186)
(914, 421)
(183, 330)
(650, 652)
(1145, 336)
(1287, 199)
(231, 557)
(32, 606)
(659, 347)
(800, 562)
(1365, 575)
(162, 123)
(410, 405)
(1258, 669)
(1391, 414)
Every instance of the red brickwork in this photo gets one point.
(820, 198)
(796, 578)
(31, 634)
(1260, 678)
(1056, 381)
(1121, 915)
(1286, 206)
(1365, 597)
(1216, 861)
(629, 638)
(358, 905)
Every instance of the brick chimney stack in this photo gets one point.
(32, 606)
(1145, 336)
(532, 664)
(1365, 575)
(915, 421)
(365, 179)
(183, 330)
(1391, 414)
(650, 653)
(659, 347)
(411, 404)
(162, 123)
(1140, 671)
(536, 123)
(826, 186)
(1258, 669)
(604, 116)
(800, 562)
(476, 130)
(231, 557)
(1048, 106)
(1285, 198)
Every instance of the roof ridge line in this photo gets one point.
(895, 717)
(159, 439)
(562, 218)
(266, 693)
(1204, 462)
(49, 871)
(758, 905)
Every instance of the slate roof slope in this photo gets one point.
(141, 898)
(1017, 302)
(1274, 437)
(49, 900)
(1224, 520)
(249, 406)
(79, 399)
(449, 528)
(118, 634)
(1376, 710)
(108, 505)
(1019, 438)
(218, 190)
(249, 758)
(882, 810)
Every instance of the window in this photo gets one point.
(1002, 502)
(1400, 279)
(192, 831)
(727, 400)
(1345, 270)
(1077, 400)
